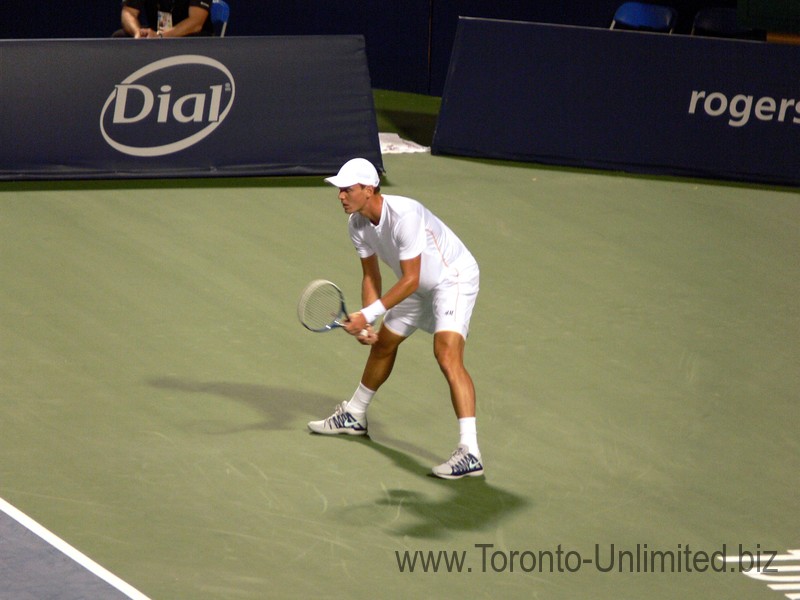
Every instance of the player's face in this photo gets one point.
(353, 198)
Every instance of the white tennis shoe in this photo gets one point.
(341, 421)
(461, 463)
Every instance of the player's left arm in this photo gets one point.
(405, 286)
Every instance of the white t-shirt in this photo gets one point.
(408, 229)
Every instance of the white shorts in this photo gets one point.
(448, 307)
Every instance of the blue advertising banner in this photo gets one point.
(637, 102)
(185, 107)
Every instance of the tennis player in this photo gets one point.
(436, 290)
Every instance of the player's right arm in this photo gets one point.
(371, 284)
(370, 292)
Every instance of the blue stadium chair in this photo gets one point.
(220, 12)
(721, 21)
(645, 17)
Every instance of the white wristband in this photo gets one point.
(373, 311)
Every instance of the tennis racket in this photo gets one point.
(321, 307)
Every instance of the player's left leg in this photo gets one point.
(452, 307)
(448, 348)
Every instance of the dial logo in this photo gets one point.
(167, 106)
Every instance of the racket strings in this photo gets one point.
(321, 306)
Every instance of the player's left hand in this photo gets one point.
(367, 336)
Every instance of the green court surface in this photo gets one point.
(635, 350)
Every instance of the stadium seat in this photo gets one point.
(645, 17)
(220, 12)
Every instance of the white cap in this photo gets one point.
(357, 170)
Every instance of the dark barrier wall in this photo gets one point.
(623, 100)
(189, 107)
(408, 42)
(445, 16)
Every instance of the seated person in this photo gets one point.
(173, 18)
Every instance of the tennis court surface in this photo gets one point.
(635, 350)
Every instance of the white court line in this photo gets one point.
(76, 555)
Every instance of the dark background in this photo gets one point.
(408, 42)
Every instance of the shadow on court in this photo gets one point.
(280, 406)
(469, 504)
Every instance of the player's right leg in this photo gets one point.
(341, 421)
(350, 418)
(382, 355)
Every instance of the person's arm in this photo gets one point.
(190, 25)
(130, 21)
(371, 284)
(405, 286)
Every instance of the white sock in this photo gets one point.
(359, 403)
(468, 432)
